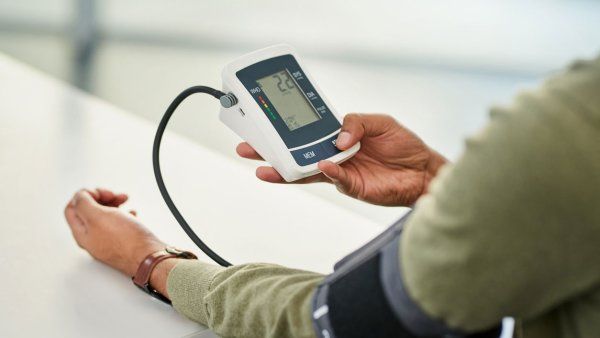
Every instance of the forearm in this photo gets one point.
(252, 300)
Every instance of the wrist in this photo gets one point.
(152, 274)
(435, 163)
(160, 275)
(139, 252)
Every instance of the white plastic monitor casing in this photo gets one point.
(249, 121)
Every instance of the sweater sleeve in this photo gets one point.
(251, 300)
(512, 228)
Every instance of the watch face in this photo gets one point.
(173, 251)
(180, 253)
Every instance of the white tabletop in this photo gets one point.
(55, 139)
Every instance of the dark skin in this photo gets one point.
(393, 168)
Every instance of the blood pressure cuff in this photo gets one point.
(365, 297)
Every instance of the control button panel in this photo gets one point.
(316, 152)
(329, 146)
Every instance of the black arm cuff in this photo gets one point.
(365, 297)
(358, 308)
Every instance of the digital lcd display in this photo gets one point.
(289, 101)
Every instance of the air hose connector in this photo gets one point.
(228, 100)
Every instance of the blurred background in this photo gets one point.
(435, 65)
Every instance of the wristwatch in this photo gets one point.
(142, 276)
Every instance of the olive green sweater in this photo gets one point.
(511, 229)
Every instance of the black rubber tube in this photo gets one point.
(158, 174)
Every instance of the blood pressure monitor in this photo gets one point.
(271, 102)
(281, 112)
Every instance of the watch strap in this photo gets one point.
(144, 271)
